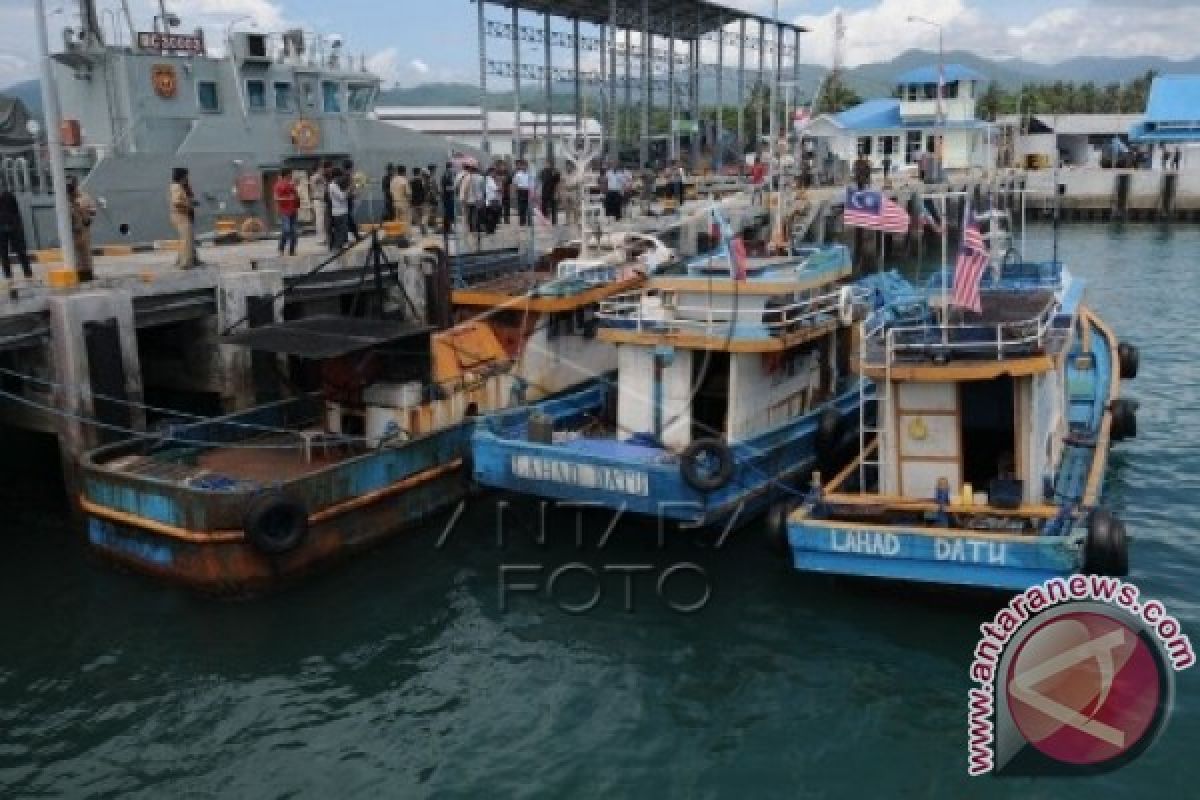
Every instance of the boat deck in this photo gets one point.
(263, 460)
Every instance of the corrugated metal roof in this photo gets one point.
(884, 114)
(688, 19)
(929, 74)
(1174, 98)
(871, 115)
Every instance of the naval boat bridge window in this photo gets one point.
(207, 96)
(360, 98)
(283, 97)
(256, 95)
(331, 97)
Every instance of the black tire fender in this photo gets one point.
(776, 525)
(1106, 549)
(700, 477)
(1129, 358)
(274, 523)
(1124, 419)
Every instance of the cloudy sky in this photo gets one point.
(415, 41)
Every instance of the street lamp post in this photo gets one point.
(941, 90)
(58, 173)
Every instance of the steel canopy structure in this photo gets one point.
(652, 47)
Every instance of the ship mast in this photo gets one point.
(62, 213)
(91, 35)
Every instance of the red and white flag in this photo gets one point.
(972, 262)
(870, 209)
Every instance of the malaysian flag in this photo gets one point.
(973, 259)
(870, 209)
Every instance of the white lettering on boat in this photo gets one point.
(586, 476)
(970, 551)
(866, 543)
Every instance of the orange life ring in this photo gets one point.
(253, 226)
(306, 135)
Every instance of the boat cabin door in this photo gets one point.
(988, 431)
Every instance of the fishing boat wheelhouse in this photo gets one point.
(732, 380)
(984, 464)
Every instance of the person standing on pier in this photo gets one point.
(318, 195)
(12, 235)
(287, 205)
(491, 193)
(506, 190)
(339, 209)
(448, 198)
(523, 183)
(83, 211)
(862, 172)
(401, 192)
(1176, 158)
(352, 187)
(389, 207)
(612, 193)
(550, 179)
(183, 217)
(418, 189)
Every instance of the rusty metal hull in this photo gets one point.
(194, 536)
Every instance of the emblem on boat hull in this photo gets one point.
(166, 83)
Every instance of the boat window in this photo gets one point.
(207, 97)
(309, 94)
(256, 95)
(283, 96)
(331, 97)
(952, 90)
(360, 97)
(988, 433)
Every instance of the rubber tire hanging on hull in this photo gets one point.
(1106, 549)
(1124, 419)
(696, 475)
(775, 523)
(1129, 358)
(275, 524)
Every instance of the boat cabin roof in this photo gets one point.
(326, 337)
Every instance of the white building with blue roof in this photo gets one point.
(1172, 112)
(906, 127)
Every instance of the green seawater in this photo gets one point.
(403, 673)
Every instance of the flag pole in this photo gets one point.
(945, 276)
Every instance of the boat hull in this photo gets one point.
(196, 536)
(648, 482)
(941, 557)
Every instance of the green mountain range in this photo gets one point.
(868, 80)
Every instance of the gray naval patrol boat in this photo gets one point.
(134, 109)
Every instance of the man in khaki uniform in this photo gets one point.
(402, 196)
(183, 217)
(318, 188)
(83, 211)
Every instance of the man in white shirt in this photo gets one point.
(522, 182)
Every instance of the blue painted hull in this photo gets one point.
(950, 558)
(641, 480)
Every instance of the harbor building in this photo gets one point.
(908, 126)
(464, 125)
(1172, 115)
(1040, 141)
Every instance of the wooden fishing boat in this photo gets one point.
(732, 381)
(984, 464)
(375, 441)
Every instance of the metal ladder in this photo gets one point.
(882, 413)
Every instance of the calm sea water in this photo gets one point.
(402, 673)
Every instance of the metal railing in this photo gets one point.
(884, 341)
(633, 311)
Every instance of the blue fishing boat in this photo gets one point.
(375, 439)
(984, 463)
(732, 383)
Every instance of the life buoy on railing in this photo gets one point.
(306, 136)
(846, 305)
(253, 226)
